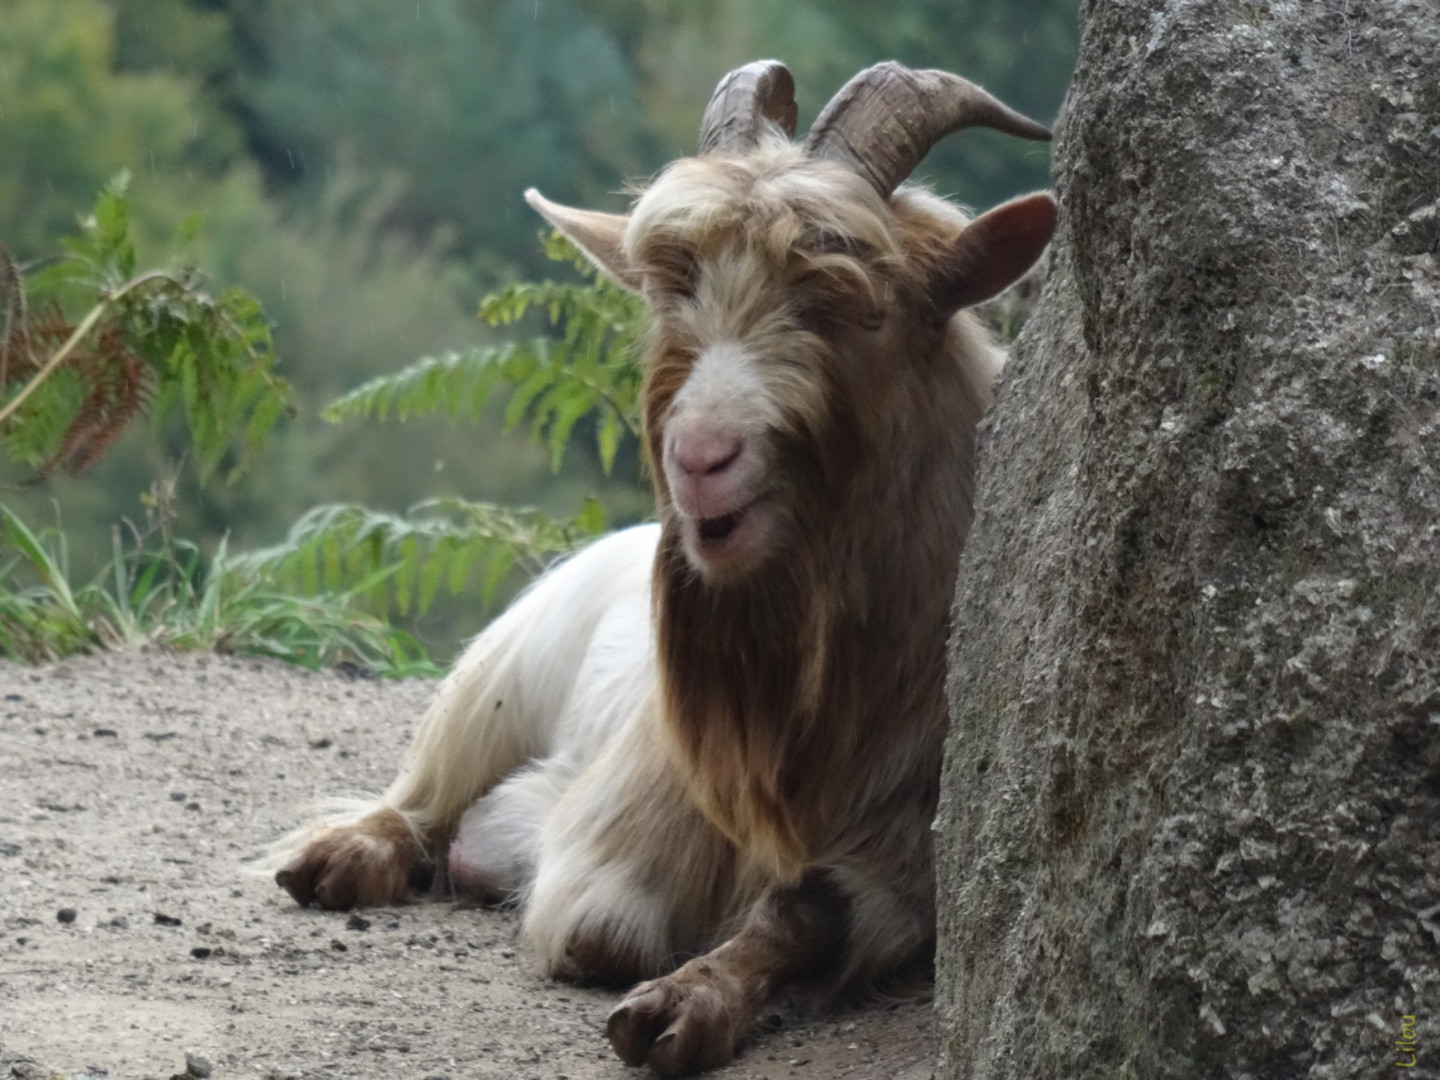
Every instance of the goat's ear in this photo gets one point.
(994, 252)
(599, 236)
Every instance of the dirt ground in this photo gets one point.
(135, 786)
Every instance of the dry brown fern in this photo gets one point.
(118, 386)
(15, 347)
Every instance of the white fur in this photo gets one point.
(512, 696)
(572, 759)
(546, 684)
(727, 390)
(626, 858)
(592, 681)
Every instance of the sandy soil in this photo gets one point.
(133, 788)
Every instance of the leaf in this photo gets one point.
(155, 339)
(188, 229)
(501, 560)
(553, 382)
(607, 440)
(591, 519)
(436, 544)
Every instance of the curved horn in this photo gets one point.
(885, 119)
(743, 101)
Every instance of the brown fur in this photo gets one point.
(804, 703)
(698, 1017)
(364, 864)
(840, 648)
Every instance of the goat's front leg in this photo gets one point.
(696, 1018)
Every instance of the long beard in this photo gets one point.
(749, 678)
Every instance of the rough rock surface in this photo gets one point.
(1192, 813)
(134, 785)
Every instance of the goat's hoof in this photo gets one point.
(372, 863)
(681, 1024)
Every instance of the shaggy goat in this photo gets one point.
(723, 732)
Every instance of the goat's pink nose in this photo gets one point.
(702, 452)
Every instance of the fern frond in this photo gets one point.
(156, 336)
(118, 389)
(404, 562)
(587, 370)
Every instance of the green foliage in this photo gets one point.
(72, 119)
(161, 590)
(157, 338)
(1022, 50)
(66, 392)
(588, 371)
(477, 100)
(404, 562)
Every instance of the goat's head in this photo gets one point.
(789, 285)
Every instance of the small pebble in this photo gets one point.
(66, 914)
(200, 952)
(356, 922)
(198, 1066)
(166, 920)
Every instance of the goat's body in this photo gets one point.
(547, 766)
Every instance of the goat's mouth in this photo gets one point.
(717, 530)
(725, 538)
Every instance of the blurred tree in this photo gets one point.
(72, 120)
(90, 88)
(173, 36)
(469, 102)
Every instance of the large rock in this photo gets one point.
(1191, 822)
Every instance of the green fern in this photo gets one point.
(156, 342)
(162, 590)
(553, 382)
(585, 368)
(441, 543)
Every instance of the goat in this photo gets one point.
(723, 731)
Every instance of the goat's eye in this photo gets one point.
(814, 318)
(828, 318)
(674, 277)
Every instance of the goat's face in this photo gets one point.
(778, 292)
(787, 292)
